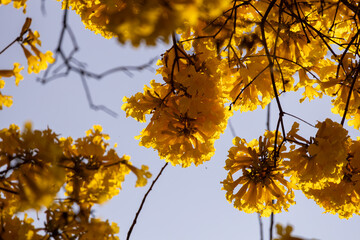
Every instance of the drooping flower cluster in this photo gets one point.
(31, 177)
(63, 221)
(342, 198)
(318, 161)
(257, 49)
(99, 178)
(261, 186)
(188, 112)
(36, 62)
(139, 20)
(36, 164)
(243, 52)
(340, 87)
(327, 168)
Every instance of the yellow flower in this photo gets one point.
(16, 3)
(261, 187)
(319, 161)
(37, 181)
(18, 76)
(100, 170)
(16, 228)
(188, 110)
(144, 21)
(348, 202)
(4, 99)
(285, 233)
(13, 73)
(37, 61)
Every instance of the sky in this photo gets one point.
(186, 203)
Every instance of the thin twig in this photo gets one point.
(68, 64)
(90, 101)
(268, 117)
(271, 225)
(349, 96)
(9, 45)
(9, 190)
(143, 202)
(261, 227)
(299, 119)
(232, 130)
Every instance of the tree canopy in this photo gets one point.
(224, 57)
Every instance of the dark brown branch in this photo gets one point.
(336, 11)
(350, 93)
(344, 53)
(143, 202)
(247, 85)
(271, 66)
(271, 225)
(9, 45)
(299, 119)
(9, 190)
(20, 38)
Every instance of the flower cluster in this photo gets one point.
(285, 233)
(36, 164)
(6, 100)
(16, 3)
(242, 53)
(318, 161)
(261, 186)
(138, 20)
(326, 165)
(188, 112)
(98, 178)
(37, 60)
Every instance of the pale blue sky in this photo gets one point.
(186, 204)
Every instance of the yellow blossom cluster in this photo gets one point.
(6, 100)
(36, 164)
(325, 166)
(36, 62)
(31, 177)
(263, 57)
(16, 3)
(138, 20)
(342, 198)
(261, 186)
(12, 227)
(242, 53)
(98, 178)
(257, 51)
(318, 161)
(65, 222)
(285, 233)
(322, 167)
(342, 85)
(187, 111)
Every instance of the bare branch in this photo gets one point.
(143, 202)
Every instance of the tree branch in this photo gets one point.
(143, 202)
